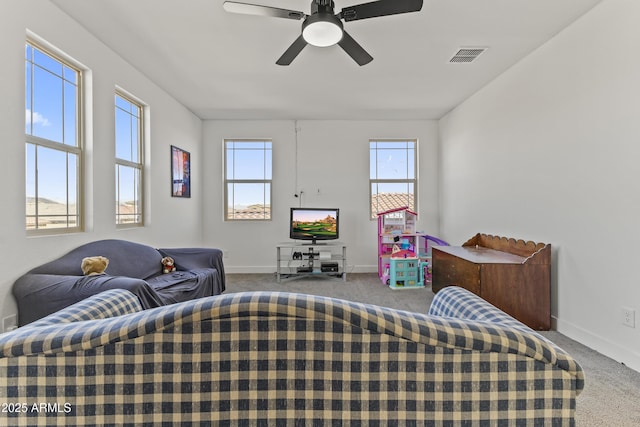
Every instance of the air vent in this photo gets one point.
(467, 54)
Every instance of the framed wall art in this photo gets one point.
(180, 172)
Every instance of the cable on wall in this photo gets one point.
(295, 133)
(297, 194)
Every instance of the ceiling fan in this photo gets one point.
(323, 27)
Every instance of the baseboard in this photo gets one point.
(249, 269)
(362, 269)
(265, 269)
(600, 344)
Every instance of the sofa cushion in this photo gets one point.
(196, 283)
(125, 259)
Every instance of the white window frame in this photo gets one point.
(266, 181)
(409, 179)
(35, 223)
(137, 166)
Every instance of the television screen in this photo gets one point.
(314, 224)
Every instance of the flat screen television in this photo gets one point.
(314, 224)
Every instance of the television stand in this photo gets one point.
(324, 259)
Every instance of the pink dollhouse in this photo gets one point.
(404, 254)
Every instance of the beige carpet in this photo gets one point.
(611, 397)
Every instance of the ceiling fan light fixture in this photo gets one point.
(322, 30)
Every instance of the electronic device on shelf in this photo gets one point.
(298, 259)
(327, 267)
(314, 224)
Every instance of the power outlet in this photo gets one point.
(9, 323)
(629, 317)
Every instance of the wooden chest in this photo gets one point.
(515, 276)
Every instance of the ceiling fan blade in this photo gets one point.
(354, 50)
(290, 54)
(255, 9)
(380, 8)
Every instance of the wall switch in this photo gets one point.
(9, 323)
(629, 317)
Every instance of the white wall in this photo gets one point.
(170, 222)
(332, 171)
(332, 157)
(549, 152)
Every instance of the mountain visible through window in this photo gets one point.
(248, 174)
(53, 142)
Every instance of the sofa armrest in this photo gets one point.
(455, 301)
(40, 295)
(459, 304)
(87, 324)
(107, 304)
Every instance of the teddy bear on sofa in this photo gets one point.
(168, 265)
(94, 265)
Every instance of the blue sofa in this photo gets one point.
(132, 266)
(283, 359)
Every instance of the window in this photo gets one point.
(128, 161)
(392, 175)
(247, 180)
(53, 142)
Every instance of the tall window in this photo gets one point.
(392, 174)
(128, 161)
(53, 142)
(247, 180)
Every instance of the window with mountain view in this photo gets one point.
(247, 182)
(53, 141)
(392, 175)
(129, 166)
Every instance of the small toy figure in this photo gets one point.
(168, 265)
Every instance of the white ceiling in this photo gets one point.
(222, 65)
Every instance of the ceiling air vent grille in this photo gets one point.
(467, 54)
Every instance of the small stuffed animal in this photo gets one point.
(94, 265)
(168, 265)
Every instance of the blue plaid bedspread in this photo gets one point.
(283, 359)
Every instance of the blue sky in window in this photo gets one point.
(127, 132)
(50, 114)
(392, 160)
(251, 160)
(127, 115)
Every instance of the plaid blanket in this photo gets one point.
(282, 359)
